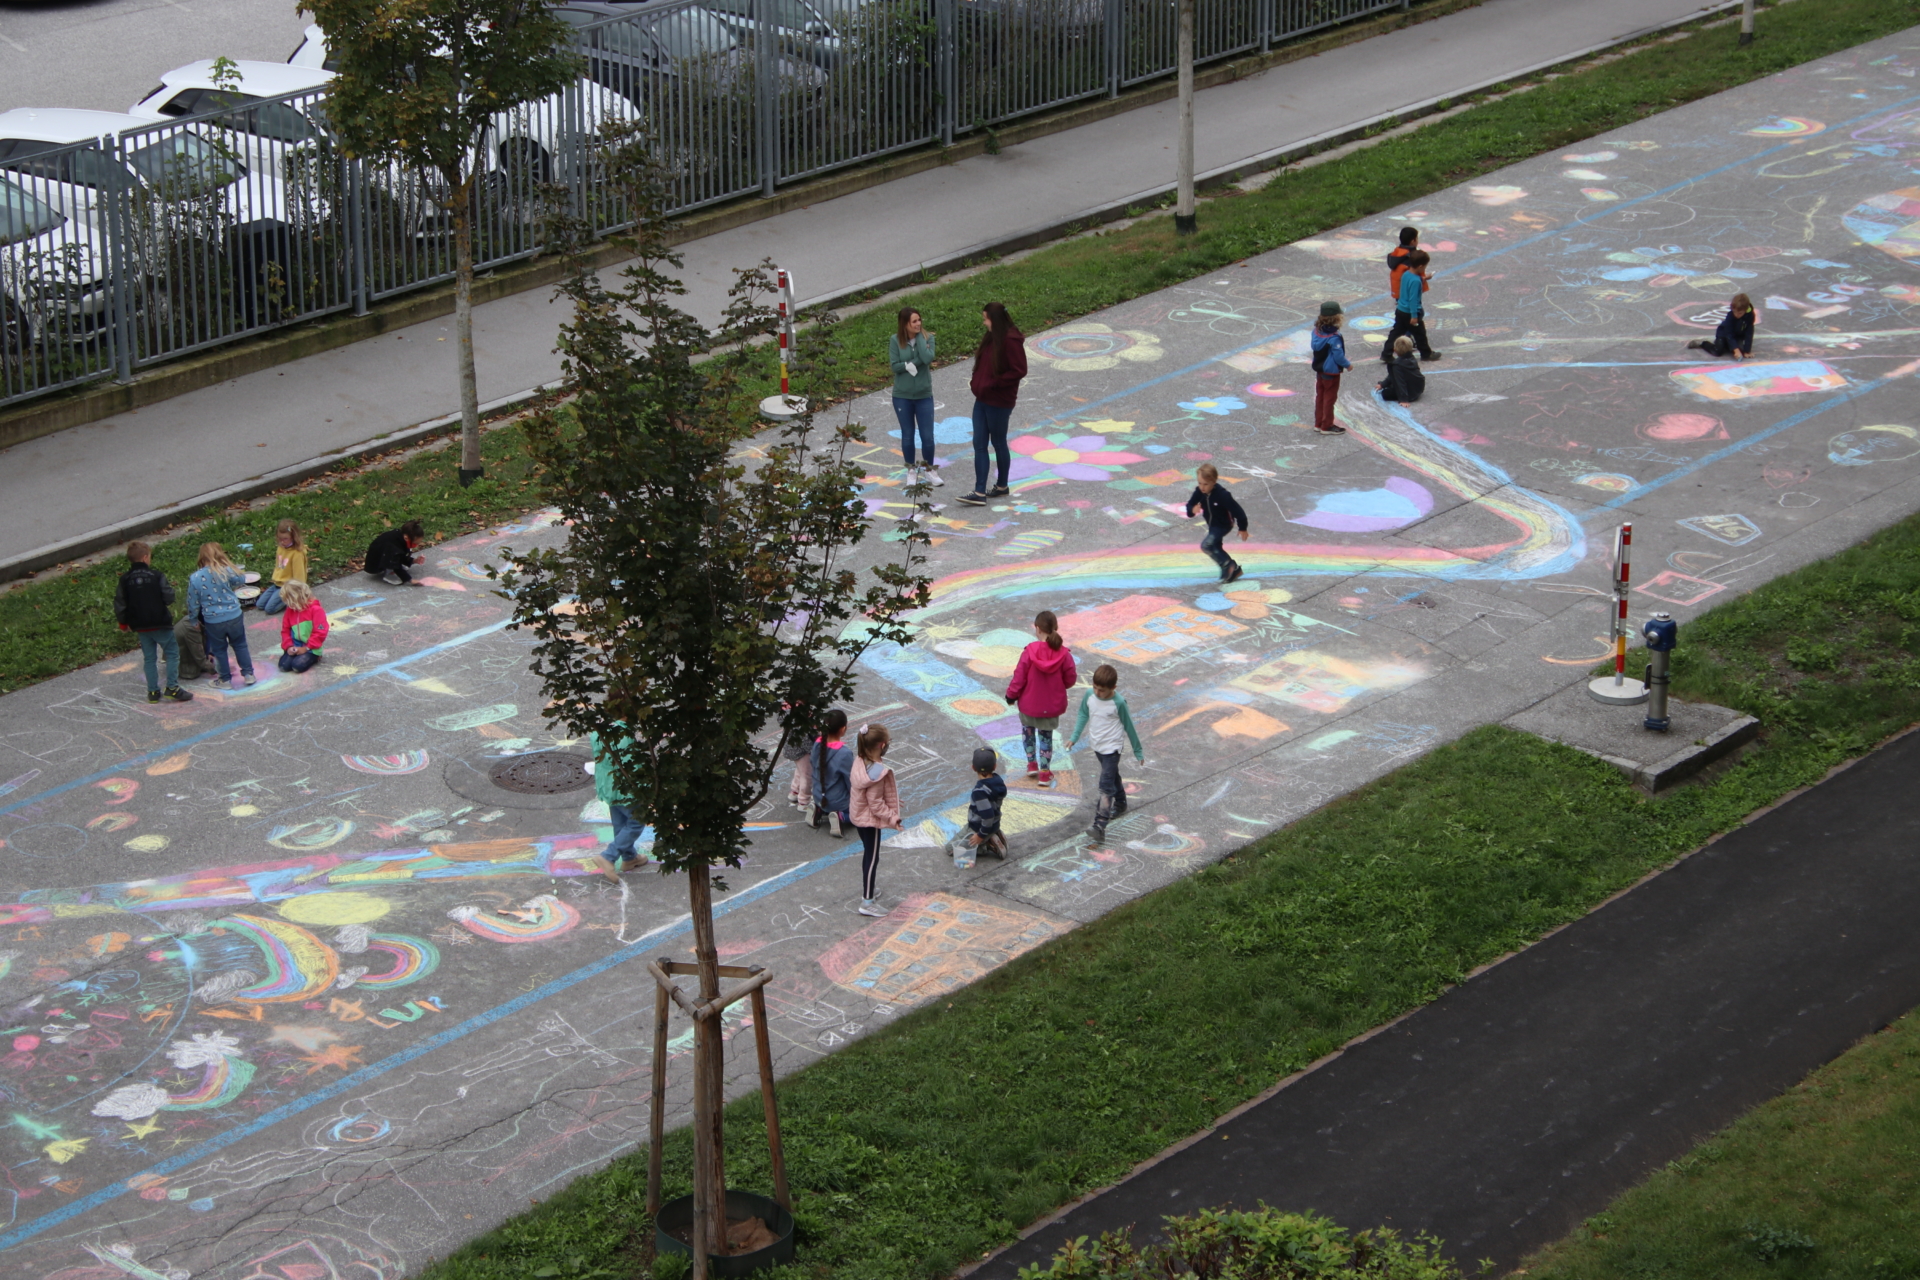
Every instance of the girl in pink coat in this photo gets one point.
(1040, 685)
(875, 808)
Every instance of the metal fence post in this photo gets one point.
(767, 65)
(122, 336)
(1266, 26)
(353, 183)
(945, 53)
(1116, 44)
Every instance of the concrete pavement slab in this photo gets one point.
(287, 968)
(92, 477)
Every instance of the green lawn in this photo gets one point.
(917, 1148)
(1823, 1181)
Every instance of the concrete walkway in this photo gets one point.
(304, 974)
(93, 477)
(1516, 1105)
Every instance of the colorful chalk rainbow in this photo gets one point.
(413, 959)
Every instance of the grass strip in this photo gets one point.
(1081, 276)
(1817, 1182)
(937, 1137)
(64, 621)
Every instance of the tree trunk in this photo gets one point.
(470, 465)
(709, 1063)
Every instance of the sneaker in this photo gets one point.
(218, 683)
(177, 694)
(1033, 768)
(611, 870)
(833, 825)
(1235, 573)
(1335, 430)
(972, 499)
(391, 578)
(932, 477)
(153, 695)
(1046, 777)
(871, 907)
(998, 491)
(1695, 345)
(1097, 834)
(1431, 355)
(250, 680)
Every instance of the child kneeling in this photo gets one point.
(303, 627)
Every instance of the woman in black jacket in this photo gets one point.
(1734, 337)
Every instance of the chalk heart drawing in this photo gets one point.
(1864, 446)
(1786, 127)
(1679, 428)
(931, 944)
(1088, 347)
(1396, 504)
(1733, 530)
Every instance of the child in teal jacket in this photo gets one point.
(1105, 710)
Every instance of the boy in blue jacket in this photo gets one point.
(1329, 362)
(1411, 282)
(1223, 513)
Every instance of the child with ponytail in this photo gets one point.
(832, 768)
(875, 808)
(1039, 686)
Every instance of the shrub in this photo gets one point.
(1220, 1244)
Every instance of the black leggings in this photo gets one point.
(869, 862)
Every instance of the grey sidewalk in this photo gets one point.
(86, 478)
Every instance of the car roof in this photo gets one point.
(64, 124)
(262, 79)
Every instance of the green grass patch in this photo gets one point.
(1081, 276)
(65, 620)
(1821, 1181)
(928, 1142)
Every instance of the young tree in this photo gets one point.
(709, 591)
(420, 83)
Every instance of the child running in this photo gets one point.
(1105, 710)
(303, 628)
(289, 565)
(1223, 513)
(140, 605)
(1734, 337)
(876, 808)
(620, 854)
(832, 774)
(983, 811)
(1039, 685)
(1329, 362)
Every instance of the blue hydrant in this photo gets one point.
(1661, 633)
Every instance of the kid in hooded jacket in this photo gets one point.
(1039, 685)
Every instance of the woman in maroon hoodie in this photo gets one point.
(999, 362)
(1040, 685)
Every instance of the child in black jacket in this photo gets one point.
(1404, 381)
(141, 605)
(1223, 513)
(389, 554)
(1734, 337)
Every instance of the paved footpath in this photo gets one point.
(1516, 1105)
(92, 477)
(295, 975)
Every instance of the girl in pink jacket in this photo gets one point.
(1040, 685)
(875, 808)
(303, 627)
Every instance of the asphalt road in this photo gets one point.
(104, 55)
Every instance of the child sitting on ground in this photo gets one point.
(832, 775)
(983, 812)
(1734, 337)
(303, 627)
(389, 554)
(1404, 381)
(289, 565)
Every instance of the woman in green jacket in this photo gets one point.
(910, 352)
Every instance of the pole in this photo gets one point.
(785, 405)
(657, 1103)
(764, 1047)
(1746, 24)
(1617, 688)
(1185, 221)
(1660, 633)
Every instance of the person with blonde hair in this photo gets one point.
(212, 603)
(303, 627)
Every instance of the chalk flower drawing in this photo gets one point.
(1088, 347)
(1069, 457)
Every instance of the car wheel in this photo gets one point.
(527, 164)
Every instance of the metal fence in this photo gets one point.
(121, 252)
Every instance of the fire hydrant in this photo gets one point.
(1661, 633)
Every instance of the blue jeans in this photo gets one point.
(224, 635)
(270, 601)
(153, 643)
(1211, 545)
(990, 428)
(626, 830)
(909, 412)
(298, 662)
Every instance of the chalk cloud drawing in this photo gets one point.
(931, 944)
(224, 1076)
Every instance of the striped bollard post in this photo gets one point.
(784, 406)
(1616, 688)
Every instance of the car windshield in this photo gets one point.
(692, 33)
(22, 217)
(183, 161)
(794, 15)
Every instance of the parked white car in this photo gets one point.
(53, 274)
(267, 134)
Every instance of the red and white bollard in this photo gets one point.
(785, 405)
(1616, 688)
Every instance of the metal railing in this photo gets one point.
(122, 252)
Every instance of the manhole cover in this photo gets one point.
(542, 773)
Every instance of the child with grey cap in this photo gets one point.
(983, 812)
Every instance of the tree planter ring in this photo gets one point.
(677, 1215)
